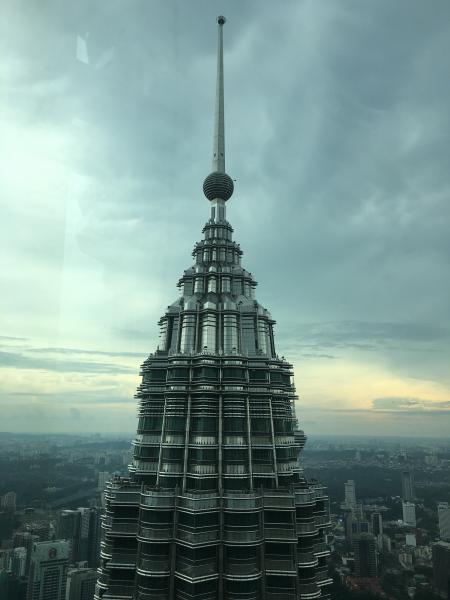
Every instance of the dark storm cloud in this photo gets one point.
(415, 349)
(367, 335)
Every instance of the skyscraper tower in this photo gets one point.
(350, 494)
(81, 528)
(407, 486)
(48, 570)
(444, 521)
(216, 506)
(364, 548)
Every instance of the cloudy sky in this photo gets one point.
(338, 134)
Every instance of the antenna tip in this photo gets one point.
(221, 20)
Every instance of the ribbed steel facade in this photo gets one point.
(216, 506)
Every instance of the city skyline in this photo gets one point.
(340, 159)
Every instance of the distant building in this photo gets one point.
(81, 584)
(24, 539)
(409, 513)
(348, 526)
(9, 501)
(103, 477)
(364, 548)
(6, 524)
(12, 587)
(387, 544)
(81, 527)
(359, 511)
(355, 525)
(363, 526)
(441, 568)
(377, 528)
(431, 460)
(407, 486)
(18, 561)
(406, 560)
(410, 540)
(350, 494)
(48, 570)
(444, 521)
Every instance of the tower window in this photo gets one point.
(155, 375)
(178, 373)
(233, 373)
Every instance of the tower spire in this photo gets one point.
(218, 162)
(218, 186)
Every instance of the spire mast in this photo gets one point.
(218, 186)
(218, 163)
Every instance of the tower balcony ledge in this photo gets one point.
(122, 560)
(158, 499)
(277, 595)
(145, 594)
(198, 537)
(323, 579)
(181, 575)
(307, 529)
(242, 536)
(321, 549)
(120, 529)
(308, 591)
(279, 565)
(118, 592)
(153, 533)
(307, 559)
(236, 577)
(280, 533)
(154, 566)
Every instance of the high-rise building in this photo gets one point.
(103, 477)
(350, 494)
(81, 527)
(12, 587)
(364, 548)
(407, 486)
(441, 567)
(349, 526)
(18, 561)
(24, 539)
(48, 570)
(444, 520)
(409, 513)
(377, 529)
(6, 524)
(216, 505)
(354, 525)
(81, 584)
(9, 501)
(377, 523)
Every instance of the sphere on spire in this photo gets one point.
(218, 185)
(221, 20)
